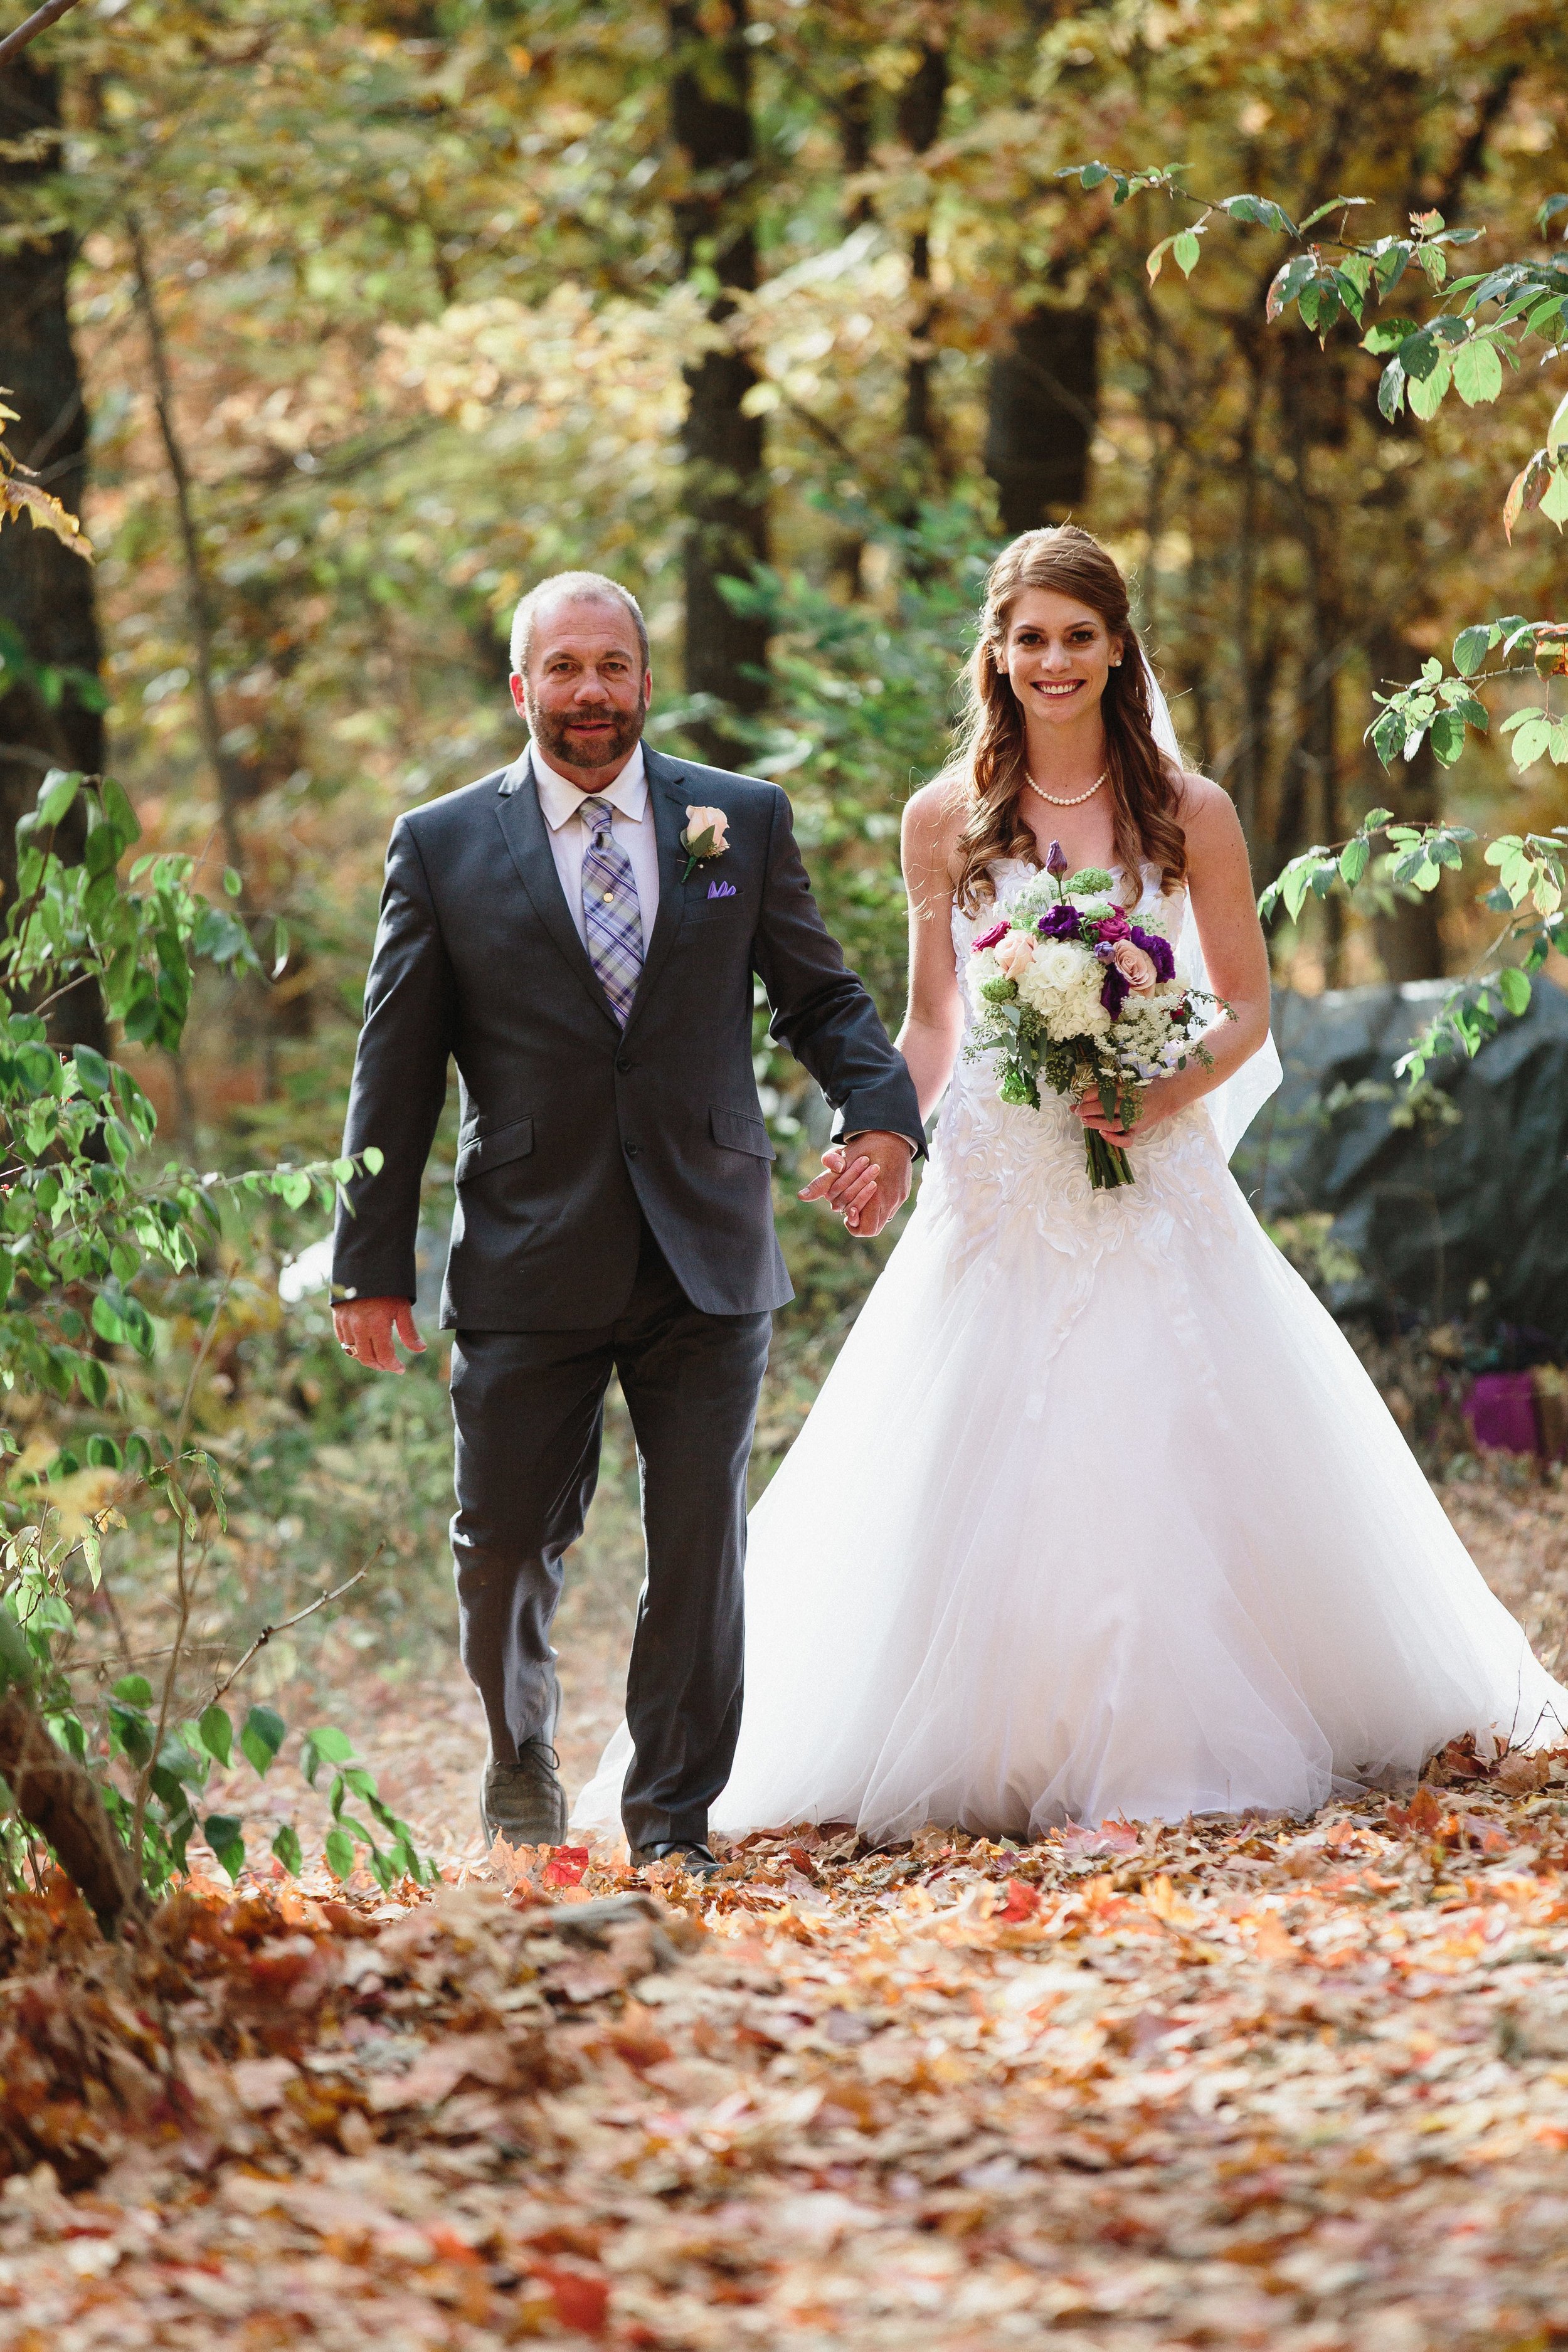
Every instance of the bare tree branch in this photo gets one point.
(322, 1601)
(31, 26)
(198, 594)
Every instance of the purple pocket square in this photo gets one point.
(720, 890)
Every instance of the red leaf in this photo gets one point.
(1023, 1901)
(566, 1866)
(580, 2301)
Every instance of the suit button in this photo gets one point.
(623, 1065)
(631, 1150)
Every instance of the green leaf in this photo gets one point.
(263, 1736)
(280, 947)
(340, 1852)
(225, 1835)
(216, 1732)
(231, 882)
(1471, 647)
(102, 1453)
(133, 1690)
(1477, 373)
(1185, 251)
(1426, 393)
(93, 1073)
(56, 795)
(1447, 736)
(286, 1846)
(1515, 989)
(374, 1158)
(1391, 392)
(1530, 739)
(1353, 859)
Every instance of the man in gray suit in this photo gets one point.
(579, 932)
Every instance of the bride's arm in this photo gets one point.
(934, 1021)
(1219, 887)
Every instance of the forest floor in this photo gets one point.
(1258, 2083)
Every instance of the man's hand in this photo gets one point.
(866, 1181)
(365, 1328)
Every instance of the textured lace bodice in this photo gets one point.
(995, 1166)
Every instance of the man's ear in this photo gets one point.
(519, 685)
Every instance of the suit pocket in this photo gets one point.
(740, 1131)
(480, 1153)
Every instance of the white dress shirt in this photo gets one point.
(631, 825)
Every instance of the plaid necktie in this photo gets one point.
(610, 912)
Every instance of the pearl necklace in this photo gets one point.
(1078, 798)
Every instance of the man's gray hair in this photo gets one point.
(565, 587)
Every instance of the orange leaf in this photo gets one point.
(1023, 1901)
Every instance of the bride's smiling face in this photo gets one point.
(1058, 655)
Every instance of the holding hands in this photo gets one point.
(864, 1179)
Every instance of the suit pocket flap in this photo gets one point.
(482, 1152)
(740, 1131)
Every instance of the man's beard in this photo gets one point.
(610, 751)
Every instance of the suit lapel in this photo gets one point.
(666, 798)
(528, 841)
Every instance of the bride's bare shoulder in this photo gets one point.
(1205, 810)
(934, 818)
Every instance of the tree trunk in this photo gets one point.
(921, 103)
(48, 615)
(1043, 410)
(59, 1798)
(726, 481)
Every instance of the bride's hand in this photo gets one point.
(1155, 1103)
(848, 1185)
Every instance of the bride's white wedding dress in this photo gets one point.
(1097, 1513)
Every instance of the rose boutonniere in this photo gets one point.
(706, 835)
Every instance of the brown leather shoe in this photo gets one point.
(524, 1803)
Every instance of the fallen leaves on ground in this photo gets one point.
(1258, 2084)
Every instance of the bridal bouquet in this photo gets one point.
(1077, 995)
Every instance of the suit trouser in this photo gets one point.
(528, 1409)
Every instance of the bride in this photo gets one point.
(1098, 1512)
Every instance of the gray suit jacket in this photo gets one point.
(574, 1131)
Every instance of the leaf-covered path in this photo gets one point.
(1269, 2084)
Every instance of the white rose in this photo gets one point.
(1060, 965)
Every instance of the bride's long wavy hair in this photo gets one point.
(988, 769)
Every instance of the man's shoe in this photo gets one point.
(692, 1857)
(524, 1803)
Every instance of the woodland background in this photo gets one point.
(341, 325)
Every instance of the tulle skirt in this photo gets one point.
(1097, 1514)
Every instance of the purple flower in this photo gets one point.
(989, 938)
(1063, 922)
(1055, 862)
(1113, 993)
(1114, 926)
(1155, 945)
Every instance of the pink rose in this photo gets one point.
(1015, 954)
(1114, 926)
(1136, 966)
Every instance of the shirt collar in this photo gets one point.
(560, 799)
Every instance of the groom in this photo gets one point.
(579, 931)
